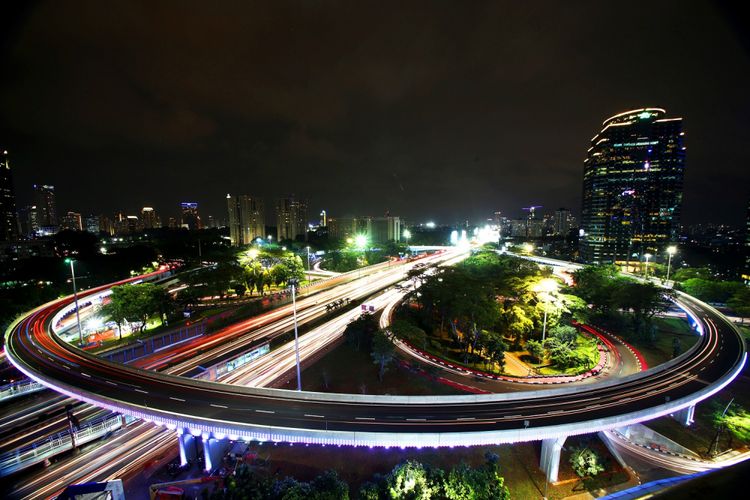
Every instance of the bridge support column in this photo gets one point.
(686, 416)
(213, 451)
(187, 447)
(550, 461)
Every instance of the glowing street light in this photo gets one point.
(545, 289)
(75, 297)
(671, 250)
(647, 257)
(360, 241)
(528, 247)
(308, 263)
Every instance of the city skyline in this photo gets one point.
(384, 125)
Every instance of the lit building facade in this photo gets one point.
(8, 217)
(46, 206)
(291, 219)
(247, 219)
(377, 229)
(189, 218)
(563, 222)
(71, 222)
(632, 187)
(149, 219)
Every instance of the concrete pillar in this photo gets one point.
(187, 447)
(213, 451)
(686, 416)
(550, 460)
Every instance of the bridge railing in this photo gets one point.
(21, 458)
(19, 388)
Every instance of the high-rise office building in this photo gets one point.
(247, 219)
(323, 218)
(71, 222)
(91, 224)
(27, 220)
(562, 222)
(8, 217)
(44, 200)
(377, 229)
(632, 186)
(189, 218)
(291, 219)
(149, 219)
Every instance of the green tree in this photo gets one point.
(740, 302)
(115, 311)
(409, 332)
(585, 462)
(136, 303)
(594, 284)
(481, 483)
(686, 273)
(408, 481)
(565, 334)
(383, 352)
(535, 349)
(328, 486)
(358, 331)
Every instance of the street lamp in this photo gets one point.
(528, 247)
(308, 263)
(293, 283)
(671, 250)
(647, 256)
(545, 288)
(75, 297)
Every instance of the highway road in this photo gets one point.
(182, 358)
(155, 444)
(266, 414)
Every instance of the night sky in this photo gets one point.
(429, 110)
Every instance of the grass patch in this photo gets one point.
(700, 434)
(661, 349)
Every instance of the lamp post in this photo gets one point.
(647, 256)
(293, 283)
(545, 289)
(308, 263)
(671, 250)
(75, 297)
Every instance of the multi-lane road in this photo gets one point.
(267, 414)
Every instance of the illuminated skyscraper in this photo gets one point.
(189, 218)
(8, 217)
(149, 219)
(632, 186)
(562, 222)
(46, 215)
(291, 219)
(71, 222)
(247, 219)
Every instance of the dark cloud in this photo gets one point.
(439, 109)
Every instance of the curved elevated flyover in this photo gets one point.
(205, 408)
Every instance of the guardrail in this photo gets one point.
(25, 386)
(21, 458)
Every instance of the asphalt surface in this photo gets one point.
(32, 346)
